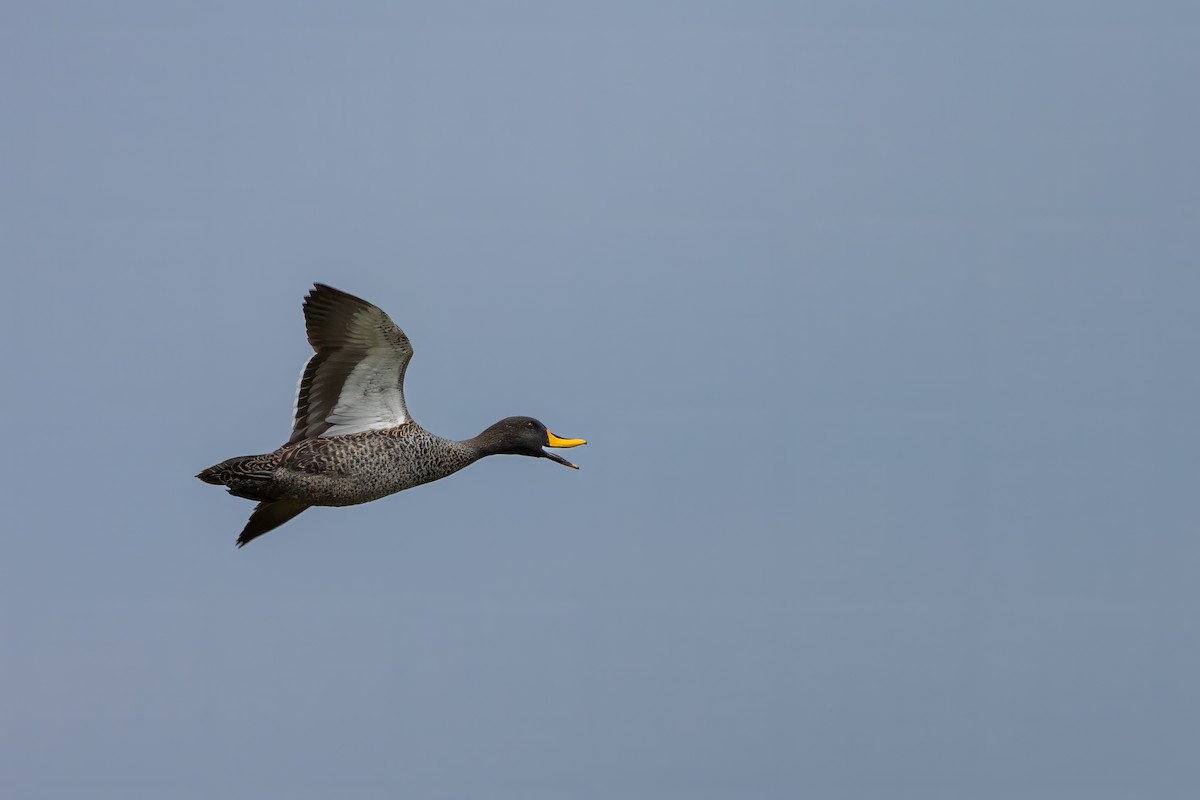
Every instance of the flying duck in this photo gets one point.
(352, 438)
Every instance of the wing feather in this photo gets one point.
(355, 379)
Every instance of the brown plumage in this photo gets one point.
(352, 439)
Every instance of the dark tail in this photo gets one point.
(213, 474)
(245, 476)
(234, 471)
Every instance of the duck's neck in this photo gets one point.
(488, 443)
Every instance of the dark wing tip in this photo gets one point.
(328, 313)
(323, 291)
(268, 515)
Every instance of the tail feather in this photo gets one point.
(251, 477)
(254, 468)
(269, 515)
(212, 474)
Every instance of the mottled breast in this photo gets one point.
(360, 467)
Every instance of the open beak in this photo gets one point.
(556, 441)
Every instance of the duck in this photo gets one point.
(353, 440)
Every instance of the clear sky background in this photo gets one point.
(881, 320)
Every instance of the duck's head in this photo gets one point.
(524, 436)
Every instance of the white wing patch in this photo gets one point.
(370, 398)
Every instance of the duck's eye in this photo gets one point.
(530, 425)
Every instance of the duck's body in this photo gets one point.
(345, 470)
(352, 440)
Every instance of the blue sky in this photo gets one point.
(880, 320)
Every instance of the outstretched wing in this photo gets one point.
(355, 381)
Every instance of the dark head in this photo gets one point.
(522, 436)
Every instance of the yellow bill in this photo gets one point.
(558, 441)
